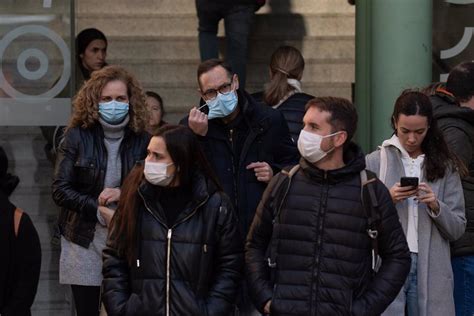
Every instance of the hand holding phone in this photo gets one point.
(407, 187)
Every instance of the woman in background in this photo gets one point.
(284, 91)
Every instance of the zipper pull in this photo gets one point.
(204, 248)
(138, 263)
(169, 233)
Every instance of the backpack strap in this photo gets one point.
(371, 208)
(277, 197)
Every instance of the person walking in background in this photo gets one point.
(308, 251)
(245, 142)
(238, 18)
(174, 246)
(91, 53)
(453, 107)
(430, 204)
(284, 91)
(156, 110)
(102, 142)
(20, 263)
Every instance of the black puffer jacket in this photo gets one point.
(293, 109)
(323, 257)
(79, 177)
(191, 268)
(457, 125)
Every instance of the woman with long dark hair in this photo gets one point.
(104, 139)
(174, 246)
(430, 205)
(284, 91)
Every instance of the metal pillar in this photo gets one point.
(393, 53)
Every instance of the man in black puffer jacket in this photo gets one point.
(311, 254)
(453, 108)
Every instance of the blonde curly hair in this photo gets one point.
(86, 102)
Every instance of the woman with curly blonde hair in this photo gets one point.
(103, 140)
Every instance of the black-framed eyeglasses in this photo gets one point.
(223, 89)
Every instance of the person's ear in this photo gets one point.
(341, 139)
(235, 81)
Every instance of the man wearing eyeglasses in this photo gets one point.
(246, 142)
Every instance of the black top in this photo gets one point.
(21, 261)
(173, 200)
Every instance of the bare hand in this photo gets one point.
(109, 195)
(263, 171)
(106, 214)
(197, 122)
(400, 193)
(427, 196)
(266, 309)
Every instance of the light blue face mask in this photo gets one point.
(222, 105)
(113, 112)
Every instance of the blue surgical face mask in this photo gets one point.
(113, 112)
(222, 105)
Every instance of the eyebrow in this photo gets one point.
(416, 130)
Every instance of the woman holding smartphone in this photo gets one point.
(432, 212)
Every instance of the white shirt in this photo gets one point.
(412, 168)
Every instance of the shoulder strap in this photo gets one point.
(371, 207)
(277, 197)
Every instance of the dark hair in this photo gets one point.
(83, 39)
(461, 81)
(210, 64)
(286, 63)
(158, 98)
(343, 114)
(438, 157)
(8, 182)
(188, 157)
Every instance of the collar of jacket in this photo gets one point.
(445, 105)
(354, 163)
(201, 189)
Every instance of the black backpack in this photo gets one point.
(369, 201)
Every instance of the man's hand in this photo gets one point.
(266, 309)
(109, 195)
(106, 214)
(263, 171)
(197, 122)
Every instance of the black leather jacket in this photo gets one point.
(79, 177)
(193, 267)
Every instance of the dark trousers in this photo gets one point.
(86, 299)
(238, 20)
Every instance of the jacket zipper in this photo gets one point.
(318, 245)
(231, 139)
(168, 268)
(168, 252)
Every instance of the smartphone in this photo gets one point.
(408, 181)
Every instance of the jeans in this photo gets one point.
(463, 270)
(411, 287)
(238, 20)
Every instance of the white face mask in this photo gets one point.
(309, 146)
(155, 173)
